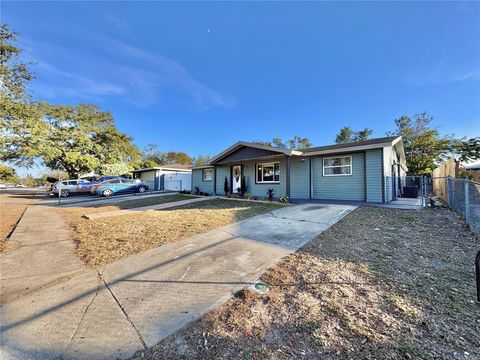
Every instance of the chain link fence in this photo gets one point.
(464, 197)
(461, 195)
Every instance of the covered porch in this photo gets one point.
(252, 168)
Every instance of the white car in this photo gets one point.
(3, 186)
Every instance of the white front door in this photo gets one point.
(236, 178)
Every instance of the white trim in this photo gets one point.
(267, 164)
(203, 171)
(349, 149)
(335, 166)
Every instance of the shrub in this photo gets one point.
(247, 195)
(270, 194)
(226, 188)
(283, 199)
(243, 186)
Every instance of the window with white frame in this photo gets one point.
(337, 166)
(207, 174)
(268, 173)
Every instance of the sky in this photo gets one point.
(197, 77)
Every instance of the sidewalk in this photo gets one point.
(41, 252)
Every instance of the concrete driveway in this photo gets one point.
(113, 312)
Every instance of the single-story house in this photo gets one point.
(173, 177)
(359, 171)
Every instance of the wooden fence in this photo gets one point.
(439, 178)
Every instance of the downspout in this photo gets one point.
(288, 177)
(383, 176)
(310, 178)
(214, 179)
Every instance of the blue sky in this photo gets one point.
(197, 77)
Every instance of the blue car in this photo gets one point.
(120, 186)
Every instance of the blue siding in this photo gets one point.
(373, 161)
(349, 187)
(299, 178)
(205, 186)
(222, 171)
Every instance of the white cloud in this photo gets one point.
(110, 67)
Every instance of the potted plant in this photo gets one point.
(270, 194)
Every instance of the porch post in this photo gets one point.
(287, 173)
(214, 179)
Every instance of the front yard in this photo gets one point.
(381, 283)
(105, 240)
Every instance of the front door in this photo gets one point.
(236, 178)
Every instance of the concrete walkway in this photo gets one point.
(145, 208)
(136, 302)
(41, 253)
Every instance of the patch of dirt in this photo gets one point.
(381, 283)
(12, 207)
(10, 214)
(104, 240)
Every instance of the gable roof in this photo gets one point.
(318, 150)
(240, 144)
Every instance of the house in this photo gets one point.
(174, 177)
(358, 171)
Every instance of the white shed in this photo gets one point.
(174, 177)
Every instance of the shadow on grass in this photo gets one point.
(381, 283)
(243, 209)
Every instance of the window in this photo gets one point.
(268, 173)
(337, 166)
(207, 174)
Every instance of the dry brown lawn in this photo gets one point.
(380, 284)
(105, 240)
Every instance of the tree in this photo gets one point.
(115, 169)
(8, 174)
(76, 139)
(15, 75)
(296, 142)
(53, 176)
(201, 160)
(226, 188)
(466, 150)
(347, 134)
(177, 157)
(423, 145)
(151, 153)
(72, 138)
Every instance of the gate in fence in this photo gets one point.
(407, 187)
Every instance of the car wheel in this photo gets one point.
(107, 192)
(65, 193)
(142, 189)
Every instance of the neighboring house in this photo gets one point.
(359, 171)
(174, 177)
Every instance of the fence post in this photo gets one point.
(450, 191)
(467, 201)
(424, 191)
